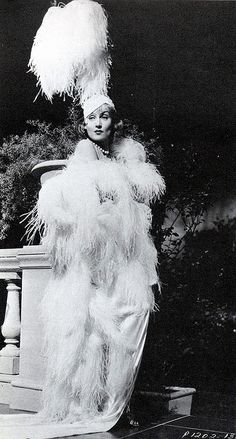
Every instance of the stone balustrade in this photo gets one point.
(22, 368)
(27, 270)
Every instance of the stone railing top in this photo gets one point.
(8, 252)
(32, 256)
(8, 260)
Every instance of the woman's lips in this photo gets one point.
(98, 131)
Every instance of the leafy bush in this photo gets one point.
(191, 342)
(18, 155)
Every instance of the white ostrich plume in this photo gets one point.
(70, 51)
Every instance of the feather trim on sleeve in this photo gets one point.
(48, 210)
(51, 205)
(146, 182)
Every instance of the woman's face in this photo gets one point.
(99, 125)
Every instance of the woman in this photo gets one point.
(96, 218)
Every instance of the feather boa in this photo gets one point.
(96, 220)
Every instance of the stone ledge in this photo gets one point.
(6, 378)
(25, 399)
(26, 383)
(8, 260)
(33, 256)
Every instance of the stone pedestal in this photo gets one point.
(26, 387)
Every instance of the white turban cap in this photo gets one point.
(94, 102)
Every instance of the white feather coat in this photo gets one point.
(96, 219)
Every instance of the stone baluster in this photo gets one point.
(9, 355)
(11, 325)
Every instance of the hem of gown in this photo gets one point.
(24, 427)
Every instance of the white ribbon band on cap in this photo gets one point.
(95, 102)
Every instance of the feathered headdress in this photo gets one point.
(70, 51)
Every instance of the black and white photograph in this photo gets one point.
(117, 219)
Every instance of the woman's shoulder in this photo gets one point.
(84, 150)
(128, 149)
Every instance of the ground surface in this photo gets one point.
(213, 417)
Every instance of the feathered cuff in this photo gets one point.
(51, 206)
(146, 182)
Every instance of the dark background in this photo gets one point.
(172, 67)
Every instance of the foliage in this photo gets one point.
(18, 155)
(190, 192)
(191, 340)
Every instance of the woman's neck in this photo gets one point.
(103, 151)
(104, 145)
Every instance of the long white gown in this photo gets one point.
(95, 218)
